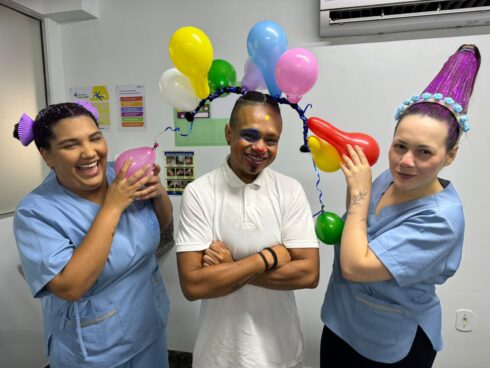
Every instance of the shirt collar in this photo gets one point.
(235, 182)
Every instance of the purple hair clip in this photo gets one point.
(89, 107)
(26, 134)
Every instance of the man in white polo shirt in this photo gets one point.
(246, 240)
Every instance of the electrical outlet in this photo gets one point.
(464, 320)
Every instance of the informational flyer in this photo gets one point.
(97, 96)
(179, 170)
(131, 105)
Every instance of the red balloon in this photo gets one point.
(340, 139)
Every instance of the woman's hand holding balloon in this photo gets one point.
(357, 173)
(153, 187)
(123, 191)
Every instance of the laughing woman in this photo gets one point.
(86, 239)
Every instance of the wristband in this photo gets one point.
(264, 259)
(274, 255)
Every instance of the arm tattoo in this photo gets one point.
(357, 199)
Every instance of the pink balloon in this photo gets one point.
(252, 79)
(296, 73)
(141, 156)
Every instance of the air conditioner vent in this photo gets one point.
(392, 11)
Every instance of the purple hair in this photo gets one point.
(456, 79)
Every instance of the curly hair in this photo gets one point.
(48, 117)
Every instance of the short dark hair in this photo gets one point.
(48, 117)
(252, 98)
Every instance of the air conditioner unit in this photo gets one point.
(367, 17)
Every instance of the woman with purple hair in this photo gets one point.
(403, 233)
(87, 239)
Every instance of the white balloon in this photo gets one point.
(176, 89)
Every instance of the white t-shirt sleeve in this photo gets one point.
(195, 229)
(297, 229)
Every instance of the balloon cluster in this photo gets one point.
(271, 67)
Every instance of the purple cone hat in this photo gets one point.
(452, 86)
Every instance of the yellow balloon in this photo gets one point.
(192, 54)
(325, 155)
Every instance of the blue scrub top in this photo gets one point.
(126, 309)
(420, 242)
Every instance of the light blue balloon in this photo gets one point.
(266, 42)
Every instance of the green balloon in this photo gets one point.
(328, 227)
(221, 74)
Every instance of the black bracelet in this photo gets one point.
(274, 255)
(264, 259)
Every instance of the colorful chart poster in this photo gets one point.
(97, 96)
(179, 170)
(131, 106)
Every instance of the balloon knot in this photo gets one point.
(304, 148)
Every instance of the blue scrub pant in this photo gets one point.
(154, 356)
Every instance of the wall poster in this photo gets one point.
(179, 170)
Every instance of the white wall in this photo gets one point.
(358, 89)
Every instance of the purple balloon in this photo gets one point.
(140, 156)
(252, 79)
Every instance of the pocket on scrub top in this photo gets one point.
(376, 322)
(100, 332)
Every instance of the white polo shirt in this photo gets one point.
(253, 326)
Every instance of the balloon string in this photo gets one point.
(175, 130)
(320, 193)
